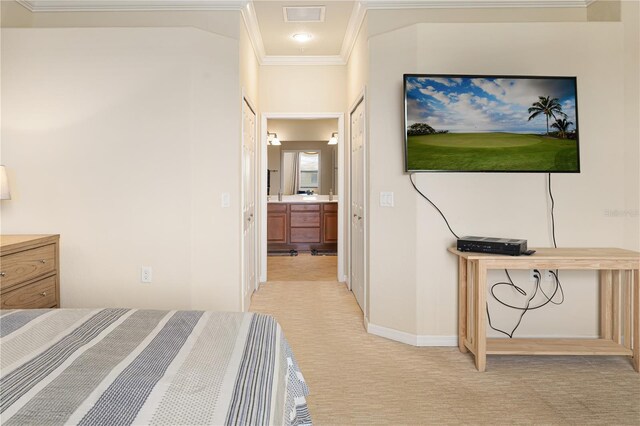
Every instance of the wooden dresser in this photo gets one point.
(29, 271)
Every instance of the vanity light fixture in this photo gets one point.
(334, 139)
(274, 140)
(302, 37)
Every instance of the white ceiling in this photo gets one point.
(327, 36)
(270, 35)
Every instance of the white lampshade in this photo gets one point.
(5, 194)
(274, 140)
(334, 139)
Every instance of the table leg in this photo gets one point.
(615, 312)
(471, 303)
(480, 278)
(636, 319)
(605, 304)
(462, 303)
(627, 304)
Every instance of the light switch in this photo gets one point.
(226, 199)
(386, 199)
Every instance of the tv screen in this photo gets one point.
(481, 123)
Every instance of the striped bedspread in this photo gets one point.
(128, 366)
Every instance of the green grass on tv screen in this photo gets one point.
(491, 152)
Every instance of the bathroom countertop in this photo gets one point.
(303, 199)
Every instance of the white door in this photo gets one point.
(249, 240)
(357, 203)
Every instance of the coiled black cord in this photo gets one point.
(549, 299)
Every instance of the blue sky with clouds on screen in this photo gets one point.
(470, 105)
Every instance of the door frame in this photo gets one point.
(360, 99)
(262, 185)
(245, 299)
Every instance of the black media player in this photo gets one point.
(492, 245)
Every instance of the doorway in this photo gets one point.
(301, 197)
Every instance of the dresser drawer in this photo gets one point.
(305, 219)
(305, 235)
(305, 207)
(25, 265)
(330, 207)
(41, 294)
(273, 207)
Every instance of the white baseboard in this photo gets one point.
(411, 339)
(426, 340)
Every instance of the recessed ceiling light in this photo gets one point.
(302, 37)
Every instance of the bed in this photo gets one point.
(132, 366)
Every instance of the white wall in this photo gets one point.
(122, 141)
(605, 10)
(302, 89)
(413, 278)
(221, 22)
(249, 66)
(12, 14)
(385, 20)
(358, 65)
(303, 130)
(631, 211)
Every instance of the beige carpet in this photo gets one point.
(358, 378)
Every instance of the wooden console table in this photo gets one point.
(619, 303)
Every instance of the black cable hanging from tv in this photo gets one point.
(537, 275)
(433, 205)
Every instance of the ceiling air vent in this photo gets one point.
(303, 13)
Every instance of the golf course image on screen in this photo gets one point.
(491, 124)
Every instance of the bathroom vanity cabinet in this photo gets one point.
(302, 226)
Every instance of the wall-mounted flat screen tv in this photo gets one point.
(483, 123)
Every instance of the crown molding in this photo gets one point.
(303, 60)
(471, 4)
(353, 28)
(129, 5)
(253, 29)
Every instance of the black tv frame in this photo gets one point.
(406, 141)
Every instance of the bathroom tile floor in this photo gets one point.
(303, 267)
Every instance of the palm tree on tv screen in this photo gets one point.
(547, 106)
(562, 125)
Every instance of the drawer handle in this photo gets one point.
(2, 274)
(43, 294)
(43, 261)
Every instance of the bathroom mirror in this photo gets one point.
(298, 167)
(300, 172)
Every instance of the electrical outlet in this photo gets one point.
(226, 200)
(532, 275)
(547, 275)
(146, 274)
